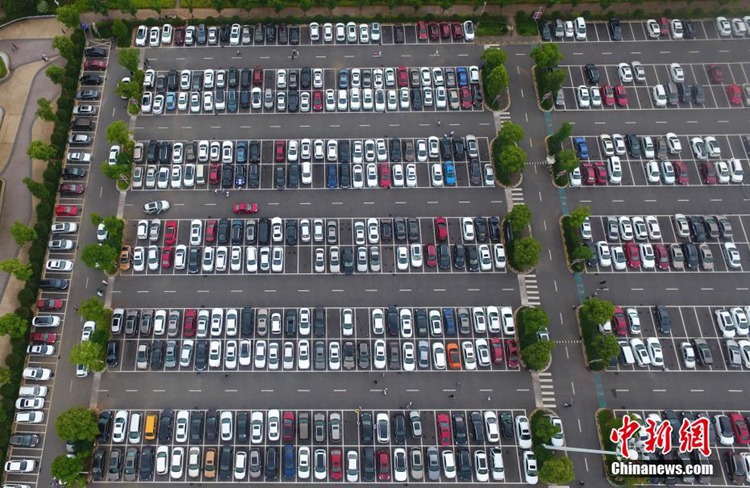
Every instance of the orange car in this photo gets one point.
(454, 356)
(124, 262)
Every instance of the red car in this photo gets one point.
(95, 64)
(445, 30)
(66, 210)
(619, 323)
(708, 172)
(72, 188)
(211, 230)
(600, 172)
(189, 326)
(430, 255)
(167, 253)
(458, 31)
(258, 75)
(632, 254)
(46, 304)
(421, 30)
(662, 256)
(734, 94)
(434, 29)
(279, 151)
(739, 426)
(496, 348)
(465, 97)
(43, 338)
(511, 352)
(317, 100)
(244, 208)
(587, 173)
(384, 466)
(715, 73)
(287, 426)
(664, 26)
(336, 471)
(179, 36)
(385, 175)
(170, 232)
(608, 95)
(403, 76)
(214, 174)
(441, 229)
(621, 96)
(681, 174)
(443, 425)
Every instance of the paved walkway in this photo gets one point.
(18, 94)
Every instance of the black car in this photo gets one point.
(344, 151)
(73, 172)
(392, 321)
(253, 175)
(113, 353)
(95, 52)
(225, 462)
(104, 423)
(280, 177)
(258, 36)
(476, 96)
(247, 318)
(506, 425)
(472, 258)
(592, 73)
(272, 463)
(194, 259)
(399, 428)
(88, 80)
(398, 34)
(444, 258)
(477, 427)
(690, 251)
(544, 30)
(196, 427)
(698, 93)
(394, 355)
(688, 29)
(166, 421)
(400, 229)
(615, 29)
(420, 322)
(212, 426)
(97, 467)
(683, 92)
(132, 320)
(161, 84)
(238, 231)
(416, 99)
(459, 256)
(242, 426)
(458, 148)
(494, 225)
(445, 148)
(481, 229)
(292, 177)
(386, 231)
(395, 150)
(283, 34)
(24, 440)
(293, 101)
(464, 464)
(146, 470)
(344, 176)
(347, 259)
(363, 355)
(293, 80)
(365, 427)
(459, 429)
(224, 33)
(305, 78)
(294, 35)
(201, 355)
(663, 320)
(413, 226)
(172, 82)
(634, 146)
(368, 455)
(697, 229)
(319, 322)
(270, 33)
(227, 175)
(157, 355)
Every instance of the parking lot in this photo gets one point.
(637, 31)
(319, 445)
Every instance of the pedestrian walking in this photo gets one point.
(453, 132)
(75, 309)
(439, 122)
(452, 395)
(596, 293)
(581, 483)
(383, 375)
(45, 58)
(104, 282)
(385, 391)
(376, 382)
(573, 307)
(227, 194)
(489, 399)
(15, 48)
(601, 283)
(569, 403)
(239, 54)
(437, 53)
(458, 383)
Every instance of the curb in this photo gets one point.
(6, 60)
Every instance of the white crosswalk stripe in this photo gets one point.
(546, 390)
(530, 287)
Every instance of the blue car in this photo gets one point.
(343, 79)
(463, 77)
(289, 462)
(449, 170)
(332, 176)
(242, 152)
(581, 147)
(171, 101)
(449, 321)
(239, 175)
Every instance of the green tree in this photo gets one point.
(245, 4)
(596, 311)
(519, 218)
(13, 325)
(581, 253)
(557, 471)
(278, 5)
(533, 318)
(130, 90)
(126, 7)
(537, 355)
(44, 110)
(121, 31)
(542, 428)
(331, 4)
(578, 215)
(65, 47)
(102, 257)
(4, 375)
(55, 73)
(219, 5)
(77, 424)
(305, 5)
(512, 159)
(550, 82)
(69, 15)
(40, 150)
(68, 471)
(98, 6)
(90, 354)
(446, 4)
(510, 133)
(118, 133)
(392, 4)
(36, 189)
(546, 55)
(493, 57)
(497, 81)
(604, 347)
(94, 309)
(22, 233)
(417, 4)
(525, 252)
(129, 58)
(567, 160)
(18, 269)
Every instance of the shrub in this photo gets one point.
(26, 297)
(14, 360)
(36, 252)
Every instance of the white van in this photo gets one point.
(580, 28)
(134, 429)
(200, 174)
(626, 352)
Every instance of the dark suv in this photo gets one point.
(592, 73)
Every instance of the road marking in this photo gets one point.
(412, 390)
(636, 289)
(142, 291)
(522, 389)
(305, 203)
(337, 290)
(303, 391)
(246, 127)
(266, 391)
(158, 391)
(696, 391)
(195, 391)
(339, 391)
(230, 391)
(473, 289)
(404, 290)
(368, 203)
(337, 203)
(672, 289)
(659, 390)
(707, 289)
(371, 290)
(203, 291)
(438, 289)
(236, 291)
(735, 391)
(170, 291)
(273, 204)
(432, 202)
(269, 291)
(508, 289)
(128, 391)
(400, 203)
(464, 202)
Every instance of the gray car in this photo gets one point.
(433, 464)
(130, 469)
(170, 357)
(115, 464)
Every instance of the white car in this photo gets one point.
(655, 352)
(175, 465)
(723, 26)
(712, 147)
(614, 169)
(676, 73)
(583, 96)
(732, 255)
(653, 29)
(648, 260)
(653, 174)
(641, 353)
(625, 73)
(659, 95)
(673, 143)
(467, 229)
(530, 473)
(438, 355)
(603, 254)
(523, 432)
(492, 427)
(675, 26)
(687, 353)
